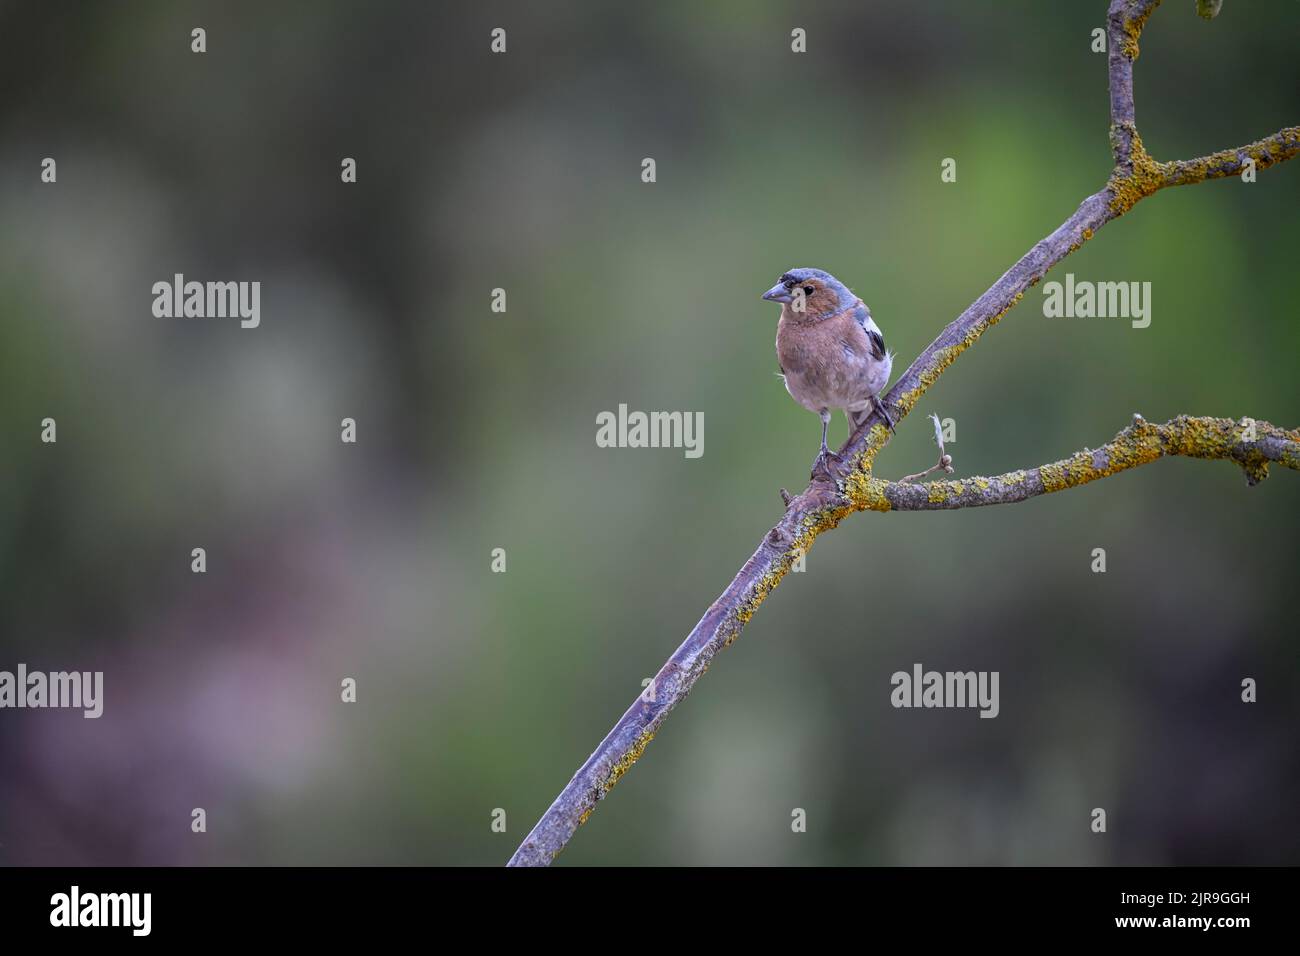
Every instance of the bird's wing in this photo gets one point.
(877, 344)
(874, 335)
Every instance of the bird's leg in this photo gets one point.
(821, 465)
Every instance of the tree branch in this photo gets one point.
(1266, 152)
(1124, 22)
(826, 501)
(1251, 444)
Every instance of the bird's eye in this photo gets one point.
(808, 290)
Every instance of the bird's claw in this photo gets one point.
(822, 464)
(884, 413)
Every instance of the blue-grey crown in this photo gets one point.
(795, 276)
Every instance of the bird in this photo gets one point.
(830, 352)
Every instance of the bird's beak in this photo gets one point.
(778, 293)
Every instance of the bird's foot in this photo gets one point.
(825, 463)
(884, 412)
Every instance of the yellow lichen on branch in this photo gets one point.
(1147, 175)
(1133, 31)
(1263, 153)
(1252, 444)
(866, 493)
(1129, 186)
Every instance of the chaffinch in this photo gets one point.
(831, 352)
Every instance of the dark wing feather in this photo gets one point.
(863, 315)
(877, 344)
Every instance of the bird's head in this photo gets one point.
(812, 292)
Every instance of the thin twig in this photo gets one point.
(945, 459)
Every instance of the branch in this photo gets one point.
(1124, 22)
(1136, 174)
(1284, 144)
(1253, 445)
(828, 500)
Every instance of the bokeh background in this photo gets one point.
(476, 431)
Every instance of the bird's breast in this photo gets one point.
(827, 364)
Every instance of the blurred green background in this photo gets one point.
(476, 431)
